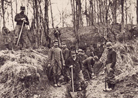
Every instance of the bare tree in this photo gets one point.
(122, 9)
(3, 12)
(12, 14)
(137, 11)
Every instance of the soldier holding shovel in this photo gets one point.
(20, 34)
(73, 62)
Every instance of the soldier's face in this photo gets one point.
(22, 11)
(109, 47)
(73, 55)
(55, 44)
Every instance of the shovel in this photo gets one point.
(73, 94)
(20, 34)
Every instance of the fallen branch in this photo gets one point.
(39, 53)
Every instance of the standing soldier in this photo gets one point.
(56, 61)
(57, 34)
(110, 67)
(21, 20)
(66, 69)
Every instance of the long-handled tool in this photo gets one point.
(20, 34)
(73, 94)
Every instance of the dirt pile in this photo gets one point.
(18, 72)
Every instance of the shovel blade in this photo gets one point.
(73, 94)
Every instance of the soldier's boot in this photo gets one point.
(55, 82)
(58, 81)
(79, 86)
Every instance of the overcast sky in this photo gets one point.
(59, 6)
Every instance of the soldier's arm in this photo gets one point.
(49, 56)
(17, 18)
(27, 21)
(62, 58)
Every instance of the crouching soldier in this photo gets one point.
(6, 37)
(77, 69)
(54, 58)
(88, 64)
(110, 67)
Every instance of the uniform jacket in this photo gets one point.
(66, 53)
(77, 65)
(89, 62)
(111, 58)
(19, 16)
(55, 56)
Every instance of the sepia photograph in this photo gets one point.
(68, 49)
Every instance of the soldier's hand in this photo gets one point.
(63, 65)
(49, 65)
(104, 68)
(70, 66)
(110, 69)
(23, 19)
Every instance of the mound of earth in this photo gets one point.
(23, 75)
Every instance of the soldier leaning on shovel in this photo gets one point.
(73, 62)
(110, 68)
(55, 59)
(21, 20)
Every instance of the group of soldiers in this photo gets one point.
(61, 60)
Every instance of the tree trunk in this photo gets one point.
(137, 11)
(115, 11)
(12, 14)
(122, 22)
(16, 6)
(79, 12)
(122, 9)
(91, 12)
(46, 24)
(37, 24)
(51, 13)
(3, 12)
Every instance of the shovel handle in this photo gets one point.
(72, 78)
(20, 34)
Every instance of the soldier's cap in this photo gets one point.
(108, 44)
(22, 8)
(80, 50)
(55, 42)
(64, 45)
(95, 57)
(73, 52)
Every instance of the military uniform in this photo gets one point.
(88, 65)
(66, 70)
(56, 60)
(110, 67)
(77, 67)
(18, 19)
